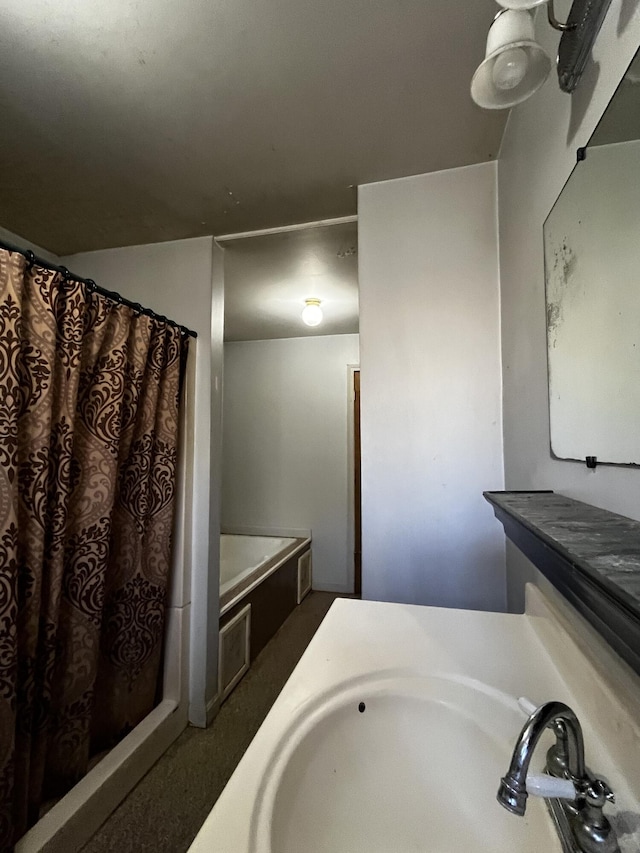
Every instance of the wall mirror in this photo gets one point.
(592, 277)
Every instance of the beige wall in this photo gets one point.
(431, 413)
(537, 156)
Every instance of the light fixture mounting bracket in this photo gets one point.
(585, 19)
(555, 23)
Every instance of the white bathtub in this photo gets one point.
(246, 560)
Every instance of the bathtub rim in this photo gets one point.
(270, 567)
(245, 564)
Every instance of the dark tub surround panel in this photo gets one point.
(591, 555)
(271, 601)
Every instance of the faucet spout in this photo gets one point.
(512, 793)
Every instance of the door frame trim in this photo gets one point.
(351, 521)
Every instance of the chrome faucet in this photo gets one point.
(580, 821)
(569, 751)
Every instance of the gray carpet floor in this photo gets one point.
(167, 808)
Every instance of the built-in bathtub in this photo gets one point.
(245, 561)
(262, 579)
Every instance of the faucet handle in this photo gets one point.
(543, 785)
(598, 793)
(591, 828)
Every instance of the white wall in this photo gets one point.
(175, 279)
(537, 156)
(431, 415)
(285, 444)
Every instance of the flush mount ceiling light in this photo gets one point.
(312, 312)
(514, 65)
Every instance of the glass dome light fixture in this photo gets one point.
(514, 67)
(312, 312)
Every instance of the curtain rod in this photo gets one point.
(34, 260)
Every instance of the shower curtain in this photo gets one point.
(89, 405)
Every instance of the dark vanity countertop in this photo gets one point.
(600, 543)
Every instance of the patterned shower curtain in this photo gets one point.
(89, 396)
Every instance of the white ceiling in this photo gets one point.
(133, 121)
(267, 279)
